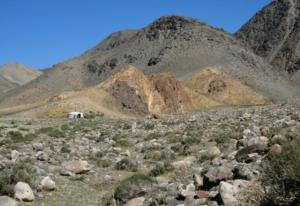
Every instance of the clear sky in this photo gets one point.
(40, 33)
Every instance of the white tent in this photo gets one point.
(75, 115)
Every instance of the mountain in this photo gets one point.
(274, 34)
(13, 75)
(177, 45)
(131, 92)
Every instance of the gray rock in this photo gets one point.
(23, 192)
(189, 191)
(227, 194)
(42, 156)
(47, 184)
(213, 152)
(185, 163)
(242, 154)
(215, 175)
(275, 149)
(136, 201)
(14, 155)
(77, 166)
(7, 201)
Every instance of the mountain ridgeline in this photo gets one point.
(13, 75)
(179, 45)
(274, 34)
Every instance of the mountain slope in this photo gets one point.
(274, 34)
(178, 45)
(13, 75)
(131, 92)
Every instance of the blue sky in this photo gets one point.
(40, 33)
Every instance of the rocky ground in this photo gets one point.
(207, 158)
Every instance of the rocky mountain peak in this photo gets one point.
(274, 33)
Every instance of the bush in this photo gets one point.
(10, 176)
(134, 186)
(52, 132)
(161, 168)
(126, 164)
(282, 175)
(224, 137)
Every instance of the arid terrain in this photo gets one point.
(208, 158)
(177, 113)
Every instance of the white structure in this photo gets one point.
(75, 115)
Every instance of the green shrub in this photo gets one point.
(137, 184)
(50, 131)
(159, 155)
(65, 149)
(224, 137)
(282, 175)
(10, 176)
(65, 127)
(161, 168)
(126, 164)
(15, 136)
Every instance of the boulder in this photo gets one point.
(77, 166)
(213, 151)
(233, 194)
(47, 184)
(275, 149)
(189, 191)
(242, 154)
(258, 140)
(136, 201)
(42, 156)
(184, 164)
(37, 146)
(215, 175)
(227, 194)
(242, 171)
(7, 201)
(14, 155)
(23, 192)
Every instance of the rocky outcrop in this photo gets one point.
(154, 94)
(224, 89)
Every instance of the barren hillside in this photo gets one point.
(178, 45)
(13, 75)
(274, 34)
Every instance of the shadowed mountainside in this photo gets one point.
(274, 34)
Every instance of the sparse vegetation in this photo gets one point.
(131, 187)
(282, 175)
(126, 164)
(10, 176)
(52, 132)
(161, 168)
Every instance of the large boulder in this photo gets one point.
(136, 201)
(23, 192)
(184, 164)
(233, 194)
(243, 154)
(7, 201)
(215, 175)
(47, 184)
(77, 166)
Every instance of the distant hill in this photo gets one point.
(13, 75)
(274, 34)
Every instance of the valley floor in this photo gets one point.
(207, 158)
